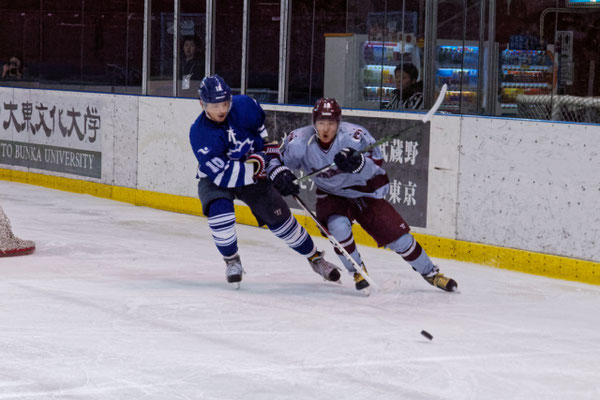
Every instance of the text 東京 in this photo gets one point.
(401, 152)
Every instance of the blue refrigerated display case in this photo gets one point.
(582, 3)
(524, 72)
(457, 65)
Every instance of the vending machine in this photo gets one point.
(457, 65)
(526, 68)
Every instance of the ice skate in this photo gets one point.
(359, 281)
(10, 245)
(234, 270)
(438, 279)
(324, 268)
(14, 246)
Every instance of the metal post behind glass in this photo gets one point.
(146, 51)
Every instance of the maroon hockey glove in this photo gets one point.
(283, 180)
(259, 163)
(271, 150)
(349, 160)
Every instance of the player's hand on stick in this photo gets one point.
(349, 160)
(283, 180)
(271, 150)
(258, 161)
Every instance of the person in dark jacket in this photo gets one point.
(192, 65)
(409, 92)
(13, 69)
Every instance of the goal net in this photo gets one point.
(559, 107)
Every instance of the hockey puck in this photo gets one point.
(427, 335)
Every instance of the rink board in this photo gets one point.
(509, 193)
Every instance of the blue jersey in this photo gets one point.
(223, 148)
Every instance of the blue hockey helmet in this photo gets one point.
(213, 89)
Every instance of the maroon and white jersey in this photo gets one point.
(301, 150)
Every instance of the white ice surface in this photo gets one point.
(125, 302)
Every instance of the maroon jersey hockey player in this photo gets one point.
(353, 190)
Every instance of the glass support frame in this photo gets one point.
(146, 46)
(284, 46)
(245, 47)
(481, 96)
(492, 66)
(431, 17)
(209, 60)
(176, 14)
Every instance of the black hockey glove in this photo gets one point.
(349, 160)
(283, 180)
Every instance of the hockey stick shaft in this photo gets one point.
(424, 120)
(335, 243)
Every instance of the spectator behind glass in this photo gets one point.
(405, 76)
(13, 70)
(192, 66)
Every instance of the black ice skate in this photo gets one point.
(359, 281)
(234, 270)
(438, 279)
(326, 269)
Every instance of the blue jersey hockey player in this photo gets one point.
(229, 140)
(353, 190)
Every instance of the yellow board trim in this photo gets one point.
(500, 257)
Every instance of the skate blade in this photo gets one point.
(236, 285)
(19, 252)
(339, 281)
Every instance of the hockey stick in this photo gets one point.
(336, 244)
(425, 119)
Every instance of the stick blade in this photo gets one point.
(437, 104)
